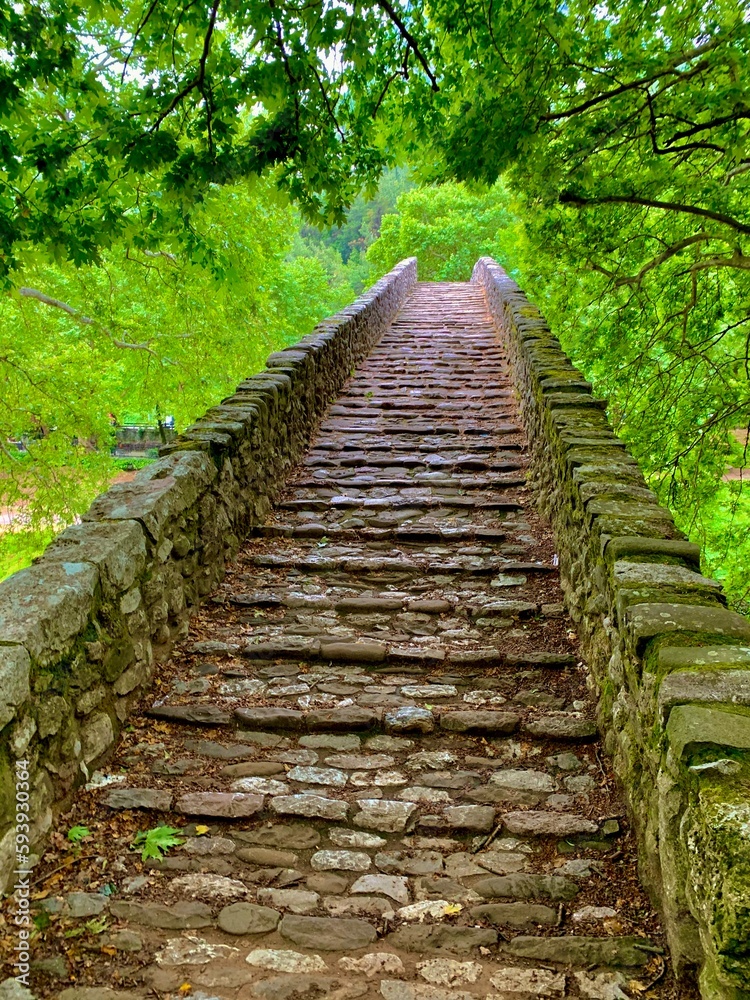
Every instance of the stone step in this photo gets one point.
(364, 562)
(433, 480)
(399, 503)
(412, 533)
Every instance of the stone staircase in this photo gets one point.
(378, 741)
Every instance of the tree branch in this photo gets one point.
(662, 257)
(571, 198)
(409, 39)
(34, 293)
(329, 108)
(197, 81)
(671, 68)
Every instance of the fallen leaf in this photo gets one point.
(201, 829)
(613, 926)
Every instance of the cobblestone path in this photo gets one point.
(377, 740)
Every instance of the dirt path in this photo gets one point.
(377, 740)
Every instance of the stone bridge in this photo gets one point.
(401, 643)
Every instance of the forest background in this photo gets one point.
(603, 168)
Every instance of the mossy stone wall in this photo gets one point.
(671, 663)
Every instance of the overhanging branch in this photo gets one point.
(571, 198)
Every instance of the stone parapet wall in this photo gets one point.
(671, 663)
(81, 629)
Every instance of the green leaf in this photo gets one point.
(156, 842)
(78, 833)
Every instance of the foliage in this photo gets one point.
(447, 227)
(156, 842)
(78, 833)
(19, 547)
(117, 118)
(144, 333)
(624, 132)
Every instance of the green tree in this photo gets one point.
(448, 227)
(116, 118)
(145, 333)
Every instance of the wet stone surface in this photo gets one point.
(376, 748)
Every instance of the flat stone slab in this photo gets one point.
(313, 806)
(450, 938)
(478, 818)
(350, 861)
(384, 814)
(294, 900)
(691, 727)
(613, 953)
(292, 836)
(646, 621)
(248, 918)
(177, 916)
(558, 727)
(708, 687)
(360, 762)
(547, 824)
(282, 960)
(397, 989)
(342, 719)
(291, 986)
(328, 933)
(526, 886)
(354, 652)
(330, 776)
(409, 719)
(266, 856)
(152, 799)
(515, 914)
(203, 715)
(481, 722)
(529, 982)
(225, 805)
(271, 718)
(394, 886)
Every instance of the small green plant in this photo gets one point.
(153, 843)
(95, 926)
(78, 833)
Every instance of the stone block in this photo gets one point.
(117, 550)
(730, 687)
(640, 582)
(672, 658)
(97, 736)
(47, 606)
(649, 621)
(652, 548)
(623, 508)
(159, 494)
(14, 681)
(692, 727)
(667, 575)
